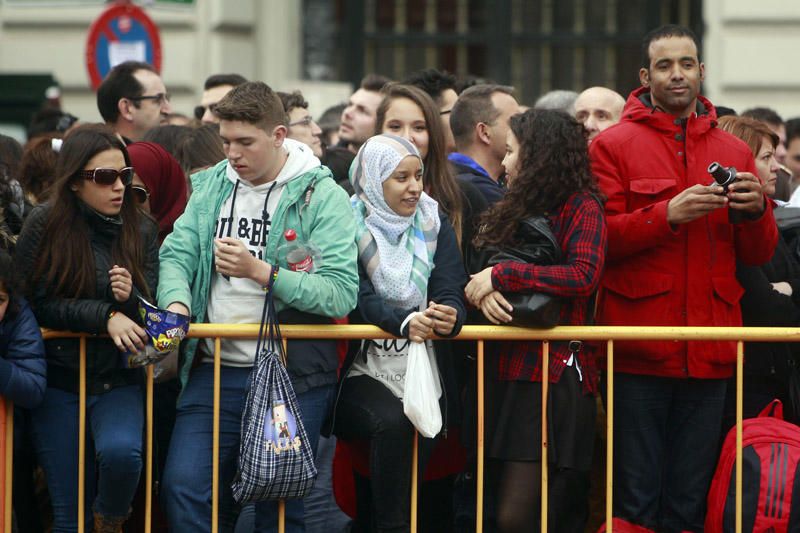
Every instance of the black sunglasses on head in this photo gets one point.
(200, 110)
(108, 176)
(140, 194)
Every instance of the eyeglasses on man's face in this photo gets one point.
(160, 98)
(305, 121)
(200, 111)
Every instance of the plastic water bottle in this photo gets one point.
(300, 256)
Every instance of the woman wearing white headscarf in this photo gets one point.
(412, 282)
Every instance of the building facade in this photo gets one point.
(323, 47)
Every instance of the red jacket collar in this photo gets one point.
(639, 109)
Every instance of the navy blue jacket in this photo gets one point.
(23, 371)
(490, 189)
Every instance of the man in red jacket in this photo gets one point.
(671, 261)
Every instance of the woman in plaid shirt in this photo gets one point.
(548, 174)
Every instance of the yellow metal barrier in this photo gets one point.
(479, 333)
(8, 459)
(82, 435)
(609, 435)
(545, 465)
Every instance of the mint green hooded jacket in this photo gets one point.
(326, 219)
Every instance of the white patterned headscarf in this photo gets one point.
(396, 251)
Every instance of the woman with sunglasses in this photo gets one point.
(159, 184)
(87, 254)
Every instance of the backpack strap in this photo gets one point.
(773, 410)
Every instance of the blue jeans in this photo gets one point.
(322, 513)
(115, 421)
(186, 492)
(666, 432)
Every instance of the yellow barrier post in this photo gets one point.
(610, 438)
(81, 433)
(148, 484)
(215, 439)
(282, 503)
(281, 516)
(9, 468)
(414, 481)
(545, 387)
(479, 459)
(739, 415)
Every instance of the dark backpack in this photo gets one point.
(770, 477)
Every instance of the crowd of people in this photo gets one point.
(415, 196)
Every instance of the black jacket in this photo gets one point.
(445, 286)
(473, 206)
(338, 159)
(763, 306)
(89, 315)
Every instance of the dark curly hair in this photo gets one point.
(553, 163)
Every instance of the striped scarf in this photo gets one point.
(396, 251)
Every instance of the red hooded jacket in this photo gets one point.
(663, 277)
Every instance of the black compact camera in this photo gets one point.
(725, 176)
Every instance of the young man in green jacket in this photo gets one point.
(214, 267)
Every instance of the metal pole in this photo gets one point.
(281, 516)
(414, 481)
(215, 440)
(148, 486)
(9, 458)
(610, 438)
(282, 503)
(479, 458)
(82, 434)
(545, 386)
(739, 415)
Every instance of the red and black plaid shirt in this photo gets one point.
(580, 229)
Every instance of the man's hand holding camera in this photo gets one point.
(744, 195)
(694, 202)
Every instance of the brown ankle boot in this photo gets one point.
(108, 524)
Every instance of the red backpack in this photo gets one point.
(770, 477)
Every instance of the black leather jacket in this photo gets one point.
(90, 315)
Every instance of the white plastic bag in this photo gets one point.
(422, 391)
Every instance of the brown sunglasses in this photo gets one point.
(108, 176)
